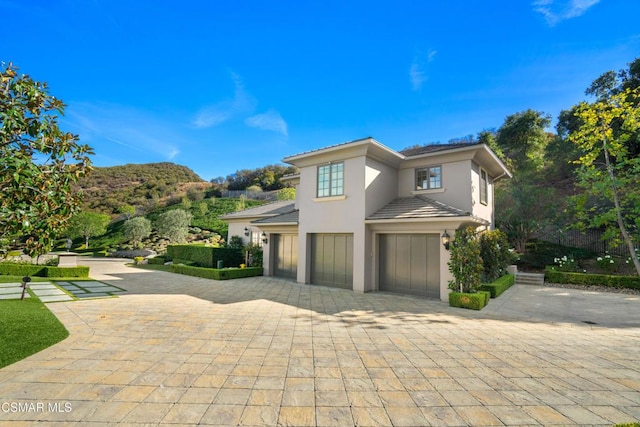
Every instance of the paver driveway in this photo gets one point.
(262, 351)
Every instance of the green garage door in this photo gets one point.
(332, 260)
(285, 258)
(410, 264)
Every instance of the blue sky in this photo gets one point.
(224, 85)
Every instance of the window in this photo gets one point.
(331, 180)
(429, 178)
(484, 187)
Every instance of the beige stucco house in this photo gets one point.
(369, 218)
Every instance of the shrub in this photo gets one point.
(494, 250)
(217, 274)
(205, 256)
(255, 255)
(475, 301)
(606, 263)
(554, 276)
(157, 260)
(497, 287)
(465, 263)
(79, 271)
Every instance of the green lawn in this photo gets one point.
(27, 327)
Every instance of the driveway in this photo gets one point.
(262, 351)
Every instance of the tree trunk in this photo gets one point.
(86, 242)
(616, 203)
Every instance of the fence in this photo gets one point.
(589, 239)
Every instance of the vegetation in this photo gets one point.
(27, 328)
(215, 273)
(88, 224)
(40, 162)
(494, 251)
(136, 229)
(174, 225)
(205, 256)
(267, 178)
(497, 287)
(553, 276)
(23, 269)
(465, 263)
(473, 301)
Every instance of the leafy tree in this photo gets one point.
(494, 250)
(465, 263)
(39, 163)
(523, 139)
(136, 229)
(288, 193)
(127, 210)
(174, 225)
(609, 174)
(88, 224)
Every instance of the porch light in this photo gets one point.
(264, 238)
(246, 231)
(446, 239)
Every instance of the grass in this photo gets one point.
(27, 327)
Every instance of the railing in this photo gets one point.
(589, 239)
(254, 195)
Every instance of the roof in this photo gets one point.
(285, 218)
(270, 209)
(329, 147)
(417, 207)
(434, 148)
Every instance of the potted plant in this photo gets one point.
(466, 266)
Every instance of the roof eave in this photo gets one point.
(466, 218)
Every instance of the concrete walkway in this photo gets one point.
(177, 350)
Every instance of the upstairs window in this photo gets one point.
(429, 178)
(484, 187)
(331, 180)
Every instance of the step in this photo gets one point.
(529, 279)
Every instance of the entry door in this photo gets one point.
(285, 260)
(332, 260)
(410, 264)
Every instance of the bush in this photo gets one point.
(465, 264)
(79, 271)
(554, 276)
(473, 301)
(12, 269)
(217, 274)
(156, 261)
(497, 287)
(494, 250)
(540, 254)
(206, 256)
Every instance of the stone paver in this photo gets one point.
(262, 351)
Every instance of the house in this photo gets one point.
(369, 218)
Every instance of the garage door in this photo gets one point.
(410, 264)
(332, 260)
(285, 259)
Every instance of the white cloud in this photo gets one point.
(270, 120)
(213, 115)
(418, 69)
(556, 11)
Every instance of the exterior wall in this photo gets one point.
(484, 211)
(236, 228)
(456, 182)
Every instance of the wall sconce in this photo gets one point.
(246, 231)
(446, 239)
(264, 238)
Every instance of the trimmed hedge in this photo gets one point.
(217, 274)
(553, 276)
(206, 256)
(156, 260)
(497, 287)
(10, 269)
(475, 301)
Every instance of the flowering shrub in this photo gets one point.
(565, 264)
(606, 262)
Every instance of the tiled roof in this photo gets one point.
(271, 209)
(434, 148)
(289, 217)
(417, 207)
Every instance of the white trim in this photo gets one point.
(433, 191)
(329, 198)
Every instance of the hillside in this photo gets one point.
(145, 186)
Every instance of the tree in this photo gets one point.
(465, 263)
(608, 173)
(88, 224)
(39, 163)
(127, 210)
(136, 229)
(523, 139)
(174, 225)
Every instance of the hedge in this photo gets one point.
(498, 286)
(206, 256)
(10, 269)
(156, 260)
(475, 301)
(553, 276)
(217, 274)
